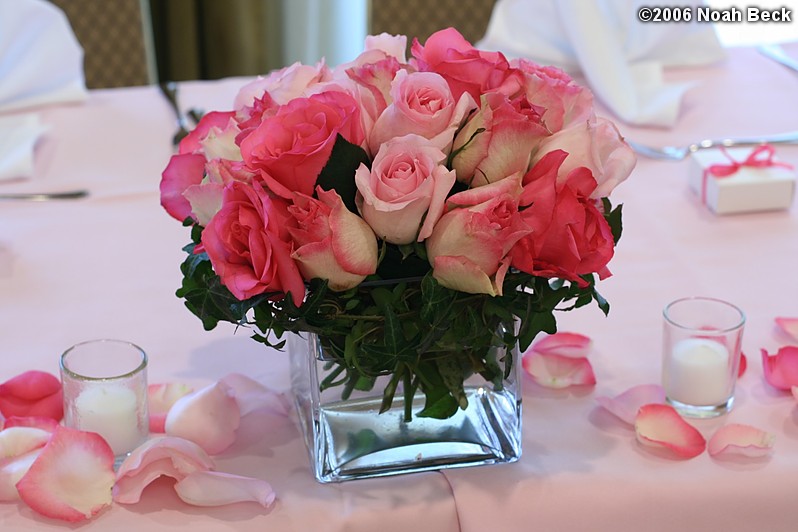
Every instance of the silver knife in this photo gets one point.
(777, 53)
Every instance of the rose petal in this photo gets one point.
(743, 365)
(160, 456)
(208, 417)
(795, 391)
(161, 398)
(16, 441)
(789, 326)
(661, 426)
(558, 371)
(213, 488)
(625, 405)
(32, 393)
(781, 369)
(44, 423)
(11, 471)
(564, 343)
(252, 395)
(745, 440)
(72, 477)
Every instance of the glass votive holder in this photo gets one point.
(105, 391)
(702, 341)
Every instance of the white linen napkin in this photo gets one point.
(621, 57)
(18, 136)
(41, 61)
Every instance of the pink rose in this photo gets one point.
(497, 141)
(570, 236)
(331, 242)
(564, 101)
(407, 180)
(247, 243)
(377, 79)
(596, 145)
(290, 148)
(391, 45)
(422, 104)
(465, 68)
(469, 245)
(282, 85)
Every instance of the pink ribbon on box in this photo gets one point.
(761, 157)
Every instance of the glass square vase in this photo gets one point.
(350, 439)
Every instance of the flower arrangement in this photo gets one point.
(402, 210)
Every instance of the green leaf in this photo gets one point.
(339, 172)
(452, 374)
(614, 219)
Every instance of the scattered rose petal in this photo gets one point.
(32, 393)
(743, 365)
(208, 417)
(567, 344)
(781, 369)
(795, 391)
(160, 456)
(626, 404)
(213, 488)
(72, 477)
(16, 441)
(740, 439)
(44, 423)
(252, 395)
(558, 371)
(661, 426)
(789, 326)
(11, 471)
(161, 398)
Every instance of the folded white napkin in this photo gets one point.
(41, 61)
(18, 136)
(621, 57)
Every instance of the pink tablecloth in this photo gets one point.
(107, 266)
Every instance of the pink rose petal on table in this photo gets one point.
(44, 423)
(661, 426)
(558, 371)
(625, 405)
(16, 441)
(161, 398)
(781, 369)
(743, 365)
(11, 471)
(72, 478)
(745, 440)
(789, 326)
(208, 417)
(160, 456)
(32, 393)
(564, 343)
(252, 395)
(213, 488)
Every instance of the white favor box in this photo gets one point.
(749, 189)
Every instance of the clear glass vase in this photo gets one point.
(349, 439)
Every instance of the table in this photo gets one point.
(107, 266)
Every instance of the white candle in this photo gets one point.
(698, 373)
(113, 413)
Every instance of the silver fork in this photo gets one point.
(677, 153)
(44, 196)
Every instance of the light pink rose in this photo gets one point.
(465, 68)
(407, 181)
(564, 101)
(392, 45)
(596, 145)
(290, 148)
(469, 246)
(331, 242)
(247, 243)
(422, 104)
(282, 85)
(497, 141)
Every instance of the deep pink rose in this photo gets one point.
(247, 242)
(182, 172)
(32, 394)
(596, 145)
(422, 104)
(570, 236)
(564, 101)
(290, 148)
(331, 242)
(407, 181)
(497, 141)
(465, 68)
(469, 245)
